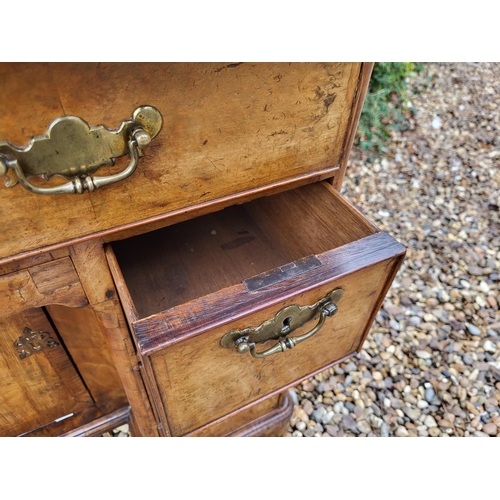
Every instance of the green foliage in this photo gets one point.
(385, 104)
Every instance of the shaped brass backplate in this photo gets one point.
(32, 342)
(74, 150)
(285, 321)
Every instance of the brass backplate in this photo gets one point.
(285, 321)
(72, 148)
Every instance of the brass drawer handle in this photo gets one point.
(74, 150)
(284, 322)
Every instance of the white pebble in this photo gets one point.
(423, 354)
(429, 421)
(489, 346)
(436, 123)
(401, 432)
(337, 407)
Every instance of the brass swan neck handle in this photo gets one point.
(285, 321)
(74, 150)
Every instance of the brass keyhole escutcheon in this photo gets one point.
(32, 342)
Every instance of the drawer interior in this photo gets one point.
(183, 262)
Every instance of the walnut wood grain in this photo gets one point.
(186, 261)
(241, 419)
(92, 268)
(132, 426)
(54, 282)
(34, 260)
(79, 421)
(142, 365)
(274, 424)
(183, 340)
(199, 209)
(128, 305)
(40, 388)
(89, 350)
(227, 129)
(269, 418)
(309, 220)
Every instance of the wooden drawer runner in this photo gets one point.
(184, 287)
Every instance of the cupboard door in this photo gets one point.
(39, 388)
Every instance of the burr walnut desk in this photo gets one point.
(174, 250)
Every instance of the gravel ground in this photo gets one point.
(431, 363)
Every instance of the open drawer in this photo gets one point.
(202, 297)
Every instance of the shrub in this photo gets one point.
(385, 105)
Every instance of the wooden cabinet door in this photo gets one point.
(42, 387)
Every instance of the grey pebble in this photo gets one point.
(309, 432)
(318, 414)
(384, 430)
(473, 330)
(429, 394)
(350, 367)
(308, 406)
(363, 426)
(350, 406)
(349, 423)
(327, 418)
(468, 359)
(412, 413)
(414, 320)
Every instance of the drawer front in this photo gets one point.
(54, 282)
(251, 421)
(203, 273)
(228, 130)
(199, 381)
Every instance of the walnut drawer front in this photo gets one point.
(269, 417)
(186, 286)
(228, 130)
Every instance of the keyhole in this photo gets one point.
(36, 346)
(286, 325)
